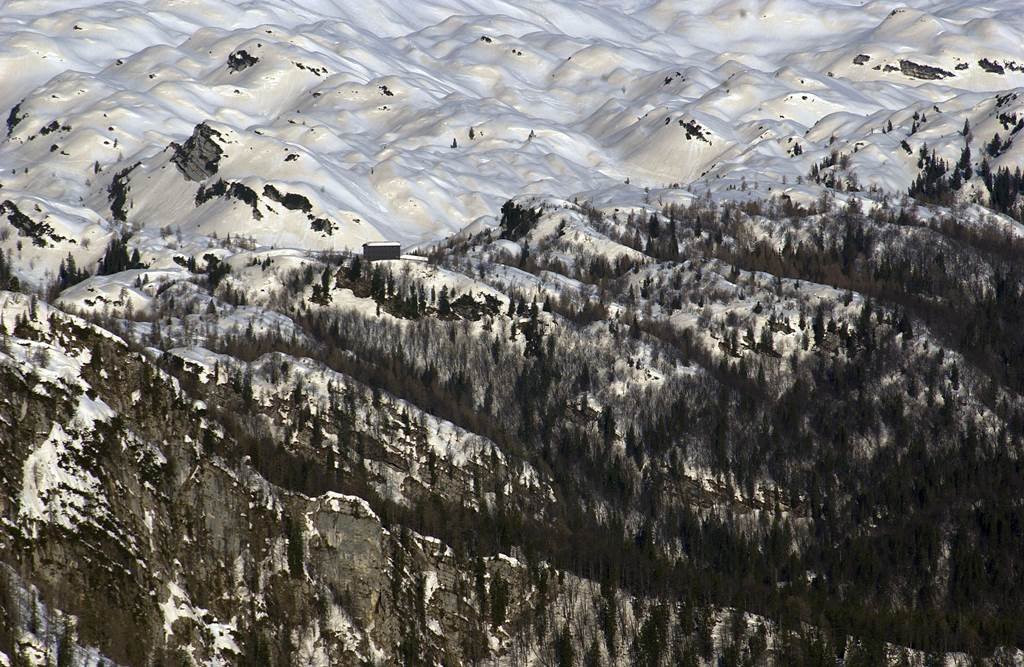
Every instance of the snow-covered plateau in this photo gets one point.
(334, 123)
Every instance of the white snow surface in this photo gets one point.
(355, 106)
(219, 635)
(53, 490)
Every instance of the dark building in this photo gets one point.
(382, 250)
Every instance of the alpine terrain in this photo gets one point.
(703, 345)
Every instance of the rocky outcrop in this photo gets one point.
(323, 226)
(232, 190)
(926, 72)
(119, 483)
(346, 547)
(290, 200)
(15, 117)
(297, 202)
(198, 158)
(991, 67)
(694, 130)
(117, 193)
(241, 60)
(26, 226)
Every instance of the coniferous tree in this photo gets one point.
(296, 549)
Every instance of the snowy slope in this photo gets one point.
(355, 107)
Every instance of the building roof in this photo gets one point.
(381, 243)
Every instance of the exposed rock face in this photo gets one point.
(694, 130)
(233, 190)
(991, 67)
(26, 226)
(861, 59)
(323, 226)
(53, 126)
(347, 548)
(296, 202)
(240, 60)
(926, 72)
(290, 200)
(14, 117)
(199, 157)
(117, 193)
(114, 482)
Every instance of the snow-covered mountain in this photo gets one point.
(713, 352)
(357, 108)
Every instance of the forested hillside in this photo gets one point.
(625, 427)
